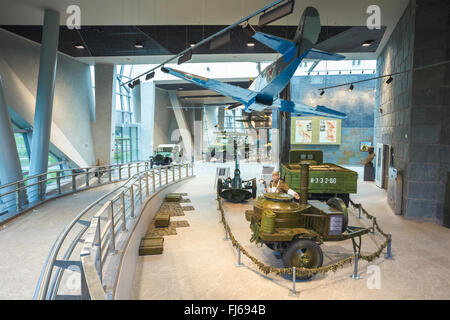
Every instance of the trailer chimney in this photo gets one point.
(304, 180)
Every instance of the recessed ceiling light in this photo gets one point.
(79, 46)
(250, 44)
(192, 44)
(139, 44)
(180, 88)
(368, 43)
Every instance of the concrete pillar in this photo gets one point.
(10, 169)
(182, 125)
(276, 139)
(105, 112)
(221, 116)
(147, 100)
(40, 142)
(198, 134)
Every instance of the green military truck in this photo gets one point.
(326, 180)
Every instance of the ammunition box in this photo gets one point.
(151, 246)
(162, 220)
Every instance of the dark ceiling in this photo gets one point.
(101, 41)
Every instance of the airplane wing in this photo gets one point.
(293, 107)
(323, 55)
(239, 94)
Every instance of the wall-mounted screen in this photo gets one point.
(315, 130)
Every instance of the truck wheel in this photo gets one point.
(254, 188)
(303, 253)
(339, 204)
(219, 186)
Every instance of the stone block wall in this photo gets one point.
(415, 107)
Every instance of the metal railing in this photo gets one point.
(93, 243)
(20, 196)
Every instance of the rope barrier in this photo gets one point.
(299, 271)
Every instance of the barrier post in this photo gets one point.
(389, 248)
(153, 180)
(124, 215)
(58, 182)
(113, 236)
(239, 264)
(74, 184)
(355, 275)
(147, 192)
(18, 201)
(132, 200)
(293, 293)
(87, 178)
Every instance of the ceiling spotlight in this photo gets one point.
(250, 44)
(130, 85)
(79, 46)
(389, 80)
(322, 92)
(136, 82)
(139, 44)
(368, 43)
(351, 87)
(150, 75)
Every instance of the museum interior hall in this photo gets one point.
(224, 150)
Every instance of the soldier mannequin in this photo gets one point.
(278, 185)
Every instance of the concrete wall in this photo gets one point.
(147, 115)
(105, 112)
(165, 121)
(358, 104)
(70, 132)
(415, 118)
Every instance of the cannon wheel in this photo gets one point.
(339, 204)
(219, 186)
(253, 188)
(303, 253)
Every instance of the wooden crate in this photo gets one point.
(162, 220)
(173, 197)
(151, 246)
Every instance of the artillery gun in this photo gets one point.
(236, 190)
(297, 230)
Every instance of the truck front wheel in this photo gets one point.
(303, 253)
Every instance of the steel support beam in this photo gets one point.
(40, 142)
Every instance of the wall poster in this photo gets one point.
(315, 130)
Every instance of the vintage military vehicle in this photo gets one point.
(297, 229)
(326, 180)
(165, 154)
(236, 190)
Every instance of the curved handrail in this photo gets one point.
(42, 288)
(45, 186)
(51, 258)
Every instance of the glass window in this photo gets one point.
(22, 151)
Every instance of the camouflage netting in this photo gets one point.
(300, 272)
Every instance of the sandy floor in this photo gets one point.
(199, 264)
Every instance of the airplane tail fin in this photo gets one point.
(308, 30)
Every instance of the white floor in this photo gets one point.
(198, 264)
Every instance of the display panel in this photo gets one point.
(315, 130)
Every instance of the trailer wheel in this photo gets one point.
(219, 186)
(339, 204)
(254, 188)
(303, 253)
